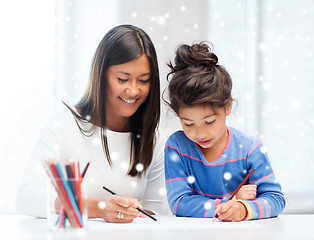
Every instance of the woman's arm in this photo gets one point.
(155, 193)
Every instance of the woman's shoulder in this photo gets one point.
(60, 115)
(61, 120)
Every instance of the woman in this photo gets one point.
(114, 126)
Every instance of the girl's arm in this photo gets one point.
(182, 200)
(270, 200)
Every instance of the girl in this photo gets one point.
(115, 126)
(206, 161)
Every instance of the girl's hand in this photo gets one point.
(247, 192)
(117, 210)
(231, 211)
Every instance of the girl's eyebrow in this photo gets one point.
(183, 118)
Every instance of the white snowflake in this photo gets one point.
(139, 167)
(266, 85)
(263, 149)
(195, 26)
(207, 205)
(162, 191)
(114, 156)
(124, 166)
(191, 179)
(102, 205)
(91, 180)
(161, 20)
(96, 141)
(174, 157)
(227, 176)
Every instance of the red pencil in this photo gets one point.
(238, 188)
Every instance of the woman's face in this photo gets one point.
(127, 88)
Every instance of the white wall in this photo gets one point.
(267, 46)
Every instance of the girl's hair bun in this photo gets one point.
(199, 54)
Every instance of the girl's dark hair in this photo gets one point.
(197, 78)
(122, 44)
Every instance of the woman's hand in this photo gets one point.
(247, 192)
(117, 210)
(231, 211)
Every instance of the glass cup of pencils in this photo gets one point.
(66, 197)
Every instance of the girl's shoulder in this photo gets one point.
(178, 138)
(243, 140)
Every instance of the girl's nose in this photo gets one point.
(200, 133)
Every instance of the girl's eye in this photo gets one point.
(188, 124)
(122, 80)
(208, 123)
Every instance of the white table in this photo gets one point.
(296, 227)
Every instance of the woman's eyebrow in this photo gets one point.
(129, 74)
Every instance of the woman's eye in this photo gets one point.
(122, 80)
(188, 124)
(144, 80)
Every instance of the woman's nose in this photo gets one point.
(133, 89)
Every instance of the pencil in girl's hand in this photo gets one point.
(142, 211)
(238, 188)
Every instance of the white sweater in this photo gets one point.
(62, 140)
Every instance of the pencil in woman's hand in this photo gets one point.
(142, 211)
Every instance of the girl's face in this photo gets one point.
(127, 88)
(203, 125)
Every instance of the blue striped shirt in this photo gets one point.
(195, 186)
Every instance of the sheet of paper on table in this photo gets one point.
(169, 223)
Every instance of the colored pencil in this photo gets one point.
(142, 211)
(63, 196)
(70, 170)
(85, 170)
(70, 197)
(238, 188)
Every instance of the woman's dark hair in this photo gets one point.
(122, 44)
(197, 78)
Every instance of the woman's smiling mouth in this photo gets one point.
(128, 100)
